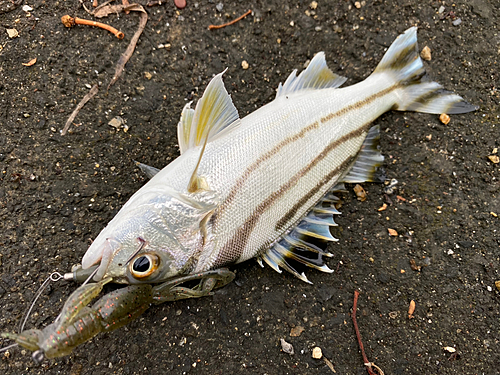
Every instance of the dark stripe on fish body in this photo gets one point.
(298, 136)
(283, 222)
(233, 249)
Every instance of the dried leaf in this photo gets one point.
(107, 9)
(444, 118)
(411, 309)
(30, 63)
(296, 331)
(392, 232)
(360, 193)
(494, 159)
(413, 265)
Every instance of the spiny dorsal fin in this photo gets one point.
(316, 76)
(184, 127)
(368, 160)
(213, 114)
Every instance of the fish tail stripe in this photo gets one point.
(403, 63)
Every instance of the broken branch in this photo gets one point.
(212, 27)
(69, 21)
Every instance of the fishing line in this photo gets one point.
(8, 347)
(54, 277)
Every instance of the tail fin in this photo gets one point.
(418, 93)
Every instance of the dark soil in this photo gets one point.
(57, 193)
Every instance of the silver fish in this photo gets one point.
(258, 187)
(245, 188)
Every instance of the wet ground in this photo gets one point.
(57, 192)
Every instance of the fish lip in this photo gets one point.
(108, 252)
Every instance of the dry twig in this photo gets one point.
(212, 27)
(369, 365)
(69, 21)
(80, 105)
(120, 65)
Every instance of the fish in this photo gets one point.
(259, 187)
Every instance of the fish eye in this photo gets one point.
(144, 265)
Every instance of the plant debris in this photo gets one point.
(444, 118)
(360, 193)
(369, 365)
(413, 265)
(69, 21)
(213, 27)
(494, 159)
(30, 63)
(296, 331)
(392, 232)
(411, 309)
(80, 105)
(383, 208)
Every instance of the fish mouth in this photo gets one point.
(101, 257)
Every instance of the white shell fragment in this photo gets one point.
(286, 347)
(317, 353)
(450, 349)
(13, 33)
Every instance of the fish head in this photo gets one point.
(156, 236)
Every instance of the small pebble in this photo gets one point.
(457, 22)
(219, 7)
(357, 4)
(313, 5)
(244, 65)
(426, 53)
(181, 4)
(317, 354)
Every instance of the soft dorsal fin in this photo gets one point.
(316, 76)
(214, 113)
(368, 160)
